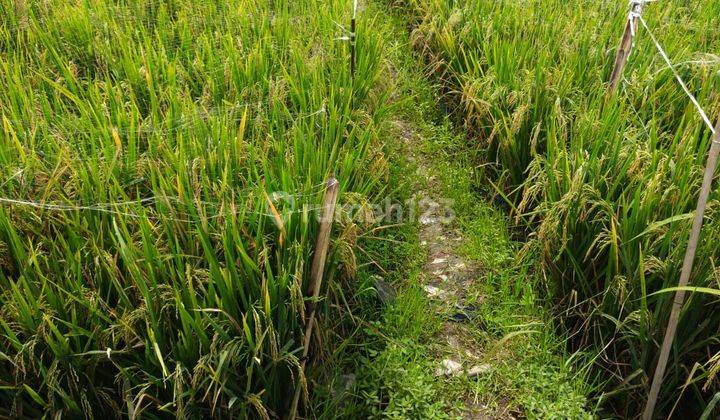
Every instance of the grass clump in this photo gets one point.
(397, 380)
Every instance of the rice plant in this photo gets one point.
(149, 265)
(604, 184)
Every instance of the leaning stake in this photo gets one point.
(316, 275)
(684, 275)
(626, 43)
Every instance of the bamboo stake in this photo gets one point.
(352, 40)
(352, 54)
(684, 275)
(316, 275)
(626, 43)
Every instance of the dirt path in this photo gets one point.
(470, 317)
(447, 277)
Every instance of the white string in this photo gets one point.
(312, 191)
(322, 110)
(101, 209)
(64, 208)
(679, 79)
(636, 7)
(107, 208)
(110, 207)
(343, 29)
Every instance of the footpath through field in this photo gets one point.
(487, 346)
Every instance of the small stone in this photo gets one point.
(449, 368)
(478, 370)
(433, 291)
(438, 261)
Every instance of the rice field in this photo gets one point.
(603, 186)
(162, 165)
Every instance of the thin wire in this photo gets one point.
(64, 208)
(72, 208)
(110, 207)
(106, 208)
(311, 191)
(637, 114)
(677, 76)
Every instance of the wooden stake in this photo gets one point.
(684, 275)
(352, 55)
(316, 275)
(352, 48)
(626, 44)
